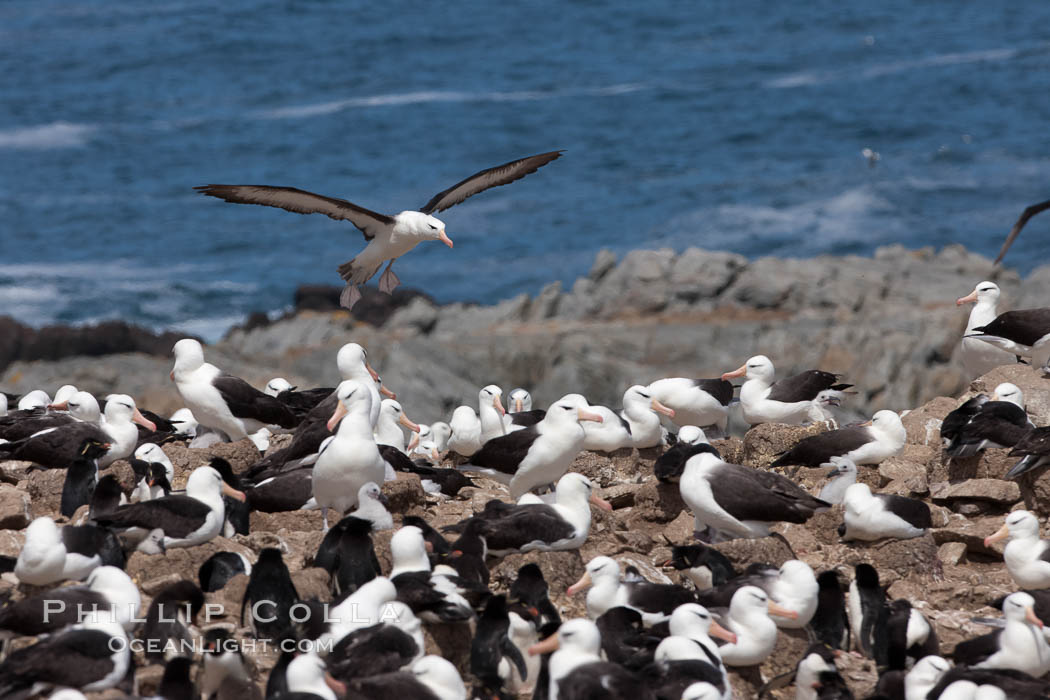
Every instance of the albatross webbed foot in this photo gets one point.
(349, 296)
(389, 281)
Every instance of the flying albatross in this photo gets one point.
(389, 237)
(1027, 214)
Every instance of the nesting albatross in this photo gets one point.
(737, 501)
(389, 237)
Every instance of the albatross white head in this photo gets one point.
(441, 677)
(422, 226)
(189, 357)
(758, 367)
(1010, 393)
(984, 294)
(354, 399)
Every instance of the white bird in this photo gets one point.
(577, 642)
(187, 519)
(756, 633)
(519, 400)
(1027, 556)
(978, 356)
(389, 237)
(923, 676)
(871, 516)
(841, 475)
(276, 385)
(794, 400)
(306, 674)
(221, 401)
(388, 428)
(465, 436)
(700, 402)
(46, 558)
(795, 589)
(152, 453)
(737, 501)
(362, 608)
(371, 506)
(352, 459)
(537, 455)
(1019, 646)
(185, 423)
(640, 410)
(38, 398)
(494, 419)
(694, 622)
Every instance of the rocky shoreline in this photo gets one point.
(887, 323)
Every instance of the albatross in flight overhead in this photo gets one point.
(389, 237)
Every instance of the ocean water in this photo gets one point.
(725, 125)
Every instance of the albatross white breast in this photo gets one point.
(978, 356)
(221, 401)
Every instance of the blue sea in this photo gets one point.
(726, 125)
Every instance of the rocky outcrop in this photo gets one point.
(887, 323)
(20, 342)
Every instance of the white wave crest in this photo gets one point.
(431, 96)
(807, 78)
(44, 136)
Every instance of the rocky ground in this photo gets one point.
(888, 323)
(948, 574)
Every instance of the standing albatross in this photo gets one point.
(389, 237)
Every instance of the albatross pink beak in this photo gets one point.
(403, 420)
(337, 687)
(970, 298)
(738, 372)
(228, 490)
(548, 645)
(587, 415)
(171, 375)
(443, 237)
(375, 375)
(600, 502)
(583, 584)
(660, 408)
(1031, 617)
(340, 412)
(386, 392)
(498, 405)
(137, 417)
(775, 609)
(64, 406)
(518, 405)
(721, 632)
(1001, 534)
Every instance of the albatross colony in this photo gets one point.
(389, 237)
(688, 538)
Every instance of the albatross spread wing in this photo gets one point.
(491, 177)
(302, 202)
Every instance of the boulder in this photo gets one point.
(657, 502)
(15, 510)
(764, 442)
(990, 495)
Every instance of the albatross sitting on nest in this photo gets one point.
(389, 237)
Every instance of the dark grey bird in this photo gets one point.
(270, 596)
